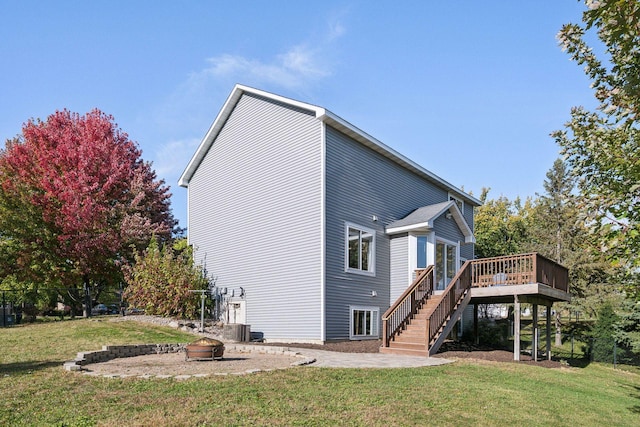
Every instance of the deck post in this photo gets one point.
(534, 344)
(549, 331)
(516, 328)
(476, 337)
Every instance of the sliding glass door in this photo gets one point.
(446, 263)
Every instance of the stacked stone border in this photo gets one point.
(110, 352)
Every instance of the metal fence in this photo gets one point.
(608, 350)
(20, 306)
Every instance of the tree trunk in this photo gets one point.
(86, 303)
(558, 322)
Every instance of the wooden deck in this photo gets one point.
(425, 317)
(530, 276)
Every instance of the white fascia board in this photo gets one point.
(213, 131)
(323, 115)
(224, 114)
(368, 140)
(318, 111)
(408, 228)
(462, 223)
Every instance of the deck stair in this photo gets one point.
(419, 321)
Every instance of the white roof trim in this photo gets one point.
(223, 115)
(371, 142)
(412, 227)
(457, 216)
(325, 116)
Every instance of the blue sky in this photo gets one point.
(468, 89)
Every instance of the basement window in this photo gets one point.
(364, 322)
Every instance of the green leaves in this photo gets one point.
(161, 279)
(501, 226)
(75, 195)
(603, 146)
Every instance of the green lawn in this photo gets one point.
(37, 391)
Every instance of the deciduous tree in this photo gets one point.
(75, 198)
(501, 226)
(603, 146)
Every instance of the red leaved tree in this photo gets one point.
(76, 199)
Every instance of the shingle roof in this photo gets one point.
(424, 217)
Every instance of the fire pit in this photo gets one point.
(204, 349)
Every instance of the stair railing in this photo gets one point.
(401, 311)
(448, 302)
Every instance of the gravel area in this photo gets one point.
(175, 364)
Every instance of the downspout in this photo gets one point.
(323, 234)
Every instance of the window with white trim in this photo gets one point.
(459, 202)
(364, 322)
(359, 249)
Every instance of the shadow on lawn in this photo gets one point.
(27, 367)
(636, 394)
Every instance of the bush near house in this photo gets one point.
(162, 280)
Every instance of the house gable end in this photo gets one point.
(424, 218)
(227, 109)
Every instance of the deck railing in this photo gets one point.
(407, 305)
(505, 270)
(448, 302)
(519, 270)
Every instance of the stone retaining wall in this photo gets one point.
(110, 352)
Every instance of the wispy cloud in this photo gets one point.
(296, 68)
(172, 157)
(185, 115)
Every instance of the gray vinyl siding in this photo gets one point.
(449, 230)
(255, 216)
(399, 266)
(466, 251)
(361, 183)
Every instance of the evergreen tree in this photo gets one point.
(603, 334)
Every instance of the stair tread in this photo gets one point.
(407, 345)
(412, 338)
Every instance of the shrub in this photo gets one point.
(161, 279)
(603, 334)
